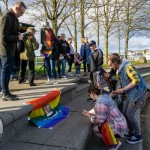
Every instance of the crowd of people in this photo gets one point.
(57, 52)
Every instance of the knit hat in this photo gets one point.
(31, 29)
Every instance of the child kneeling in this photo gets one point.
(105, 111)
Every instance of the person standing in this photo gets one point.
(9, 36)
(64, 55)
(50, 50)
(135, 88)
(28, 56)
(77, 61)
(85, 53)
(96, 61)
(71, 54)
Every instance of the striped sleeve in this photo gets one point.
(132, 74)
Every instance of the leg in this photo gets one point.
(48, 67)
(54, 69)
(31, 72)
(23, 65)
(7, 62)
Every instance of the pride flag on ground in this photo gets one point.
(47, 110)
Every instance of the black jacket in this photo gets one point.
(96, 60)
(8, 34)
(64, 48)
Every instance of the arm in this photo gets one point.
(100, 59)
(132, 74)
(101, 111)
(35, 44)
(6, 35)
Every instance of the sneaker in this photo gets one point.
(64, 77)
(56, 82)
(135, 139)
(70, 74)
(9, 98)
(48, 83)
(128, 135)
(117, 146)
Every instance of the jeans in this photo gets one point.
(7, 65)
(54, 69)
(77, 69)
(63, 66)
(48, 67)
(130, 110)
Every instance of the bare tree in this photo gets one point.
(55, 11)
(5, 2)
(133, 19)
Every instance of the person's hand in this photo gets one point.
(85, 113)
(20, 37)
(113, 93)
(120, 91)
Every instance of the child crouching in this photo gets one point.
(105, 110)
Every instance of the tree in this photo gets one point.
(55, 11)
(133, 19)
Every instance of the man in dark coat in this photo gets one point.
(96, 61)
(9, 36)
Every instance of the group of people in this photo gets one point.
(59, 51)
(122, 121)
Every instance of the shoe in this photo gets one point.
(20, 82)
(117, 146)
(89, 99)
(56, 82)
(32, 84)
(84, 74)
(48, 83)
(13, 95)
(64, 77)
(9, 98)
(128, 135)
(135, 139)
(70, 74)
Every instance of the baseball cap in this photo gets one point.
(92, 43)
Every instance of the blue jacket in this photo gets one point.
(135, 93)
(88, 53)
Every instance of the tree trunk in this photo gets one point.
(82, 18)
(106, 47)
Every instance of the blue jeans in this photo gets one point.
(54, 69)
(7, 65)
(77, 69)
(63, 66)
(48, 67)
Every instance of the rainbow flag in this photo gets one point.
(108, 135)
(47, 110)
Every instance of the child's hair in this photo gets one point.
(93, 89)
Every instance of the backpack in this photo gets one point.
(21, 45)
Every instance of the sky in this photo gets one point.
(135, 43)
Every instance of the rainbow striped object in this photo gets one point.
(47, 110)
(108, 135)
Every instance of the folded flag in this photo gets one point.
(47, 110)
(108, 135)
